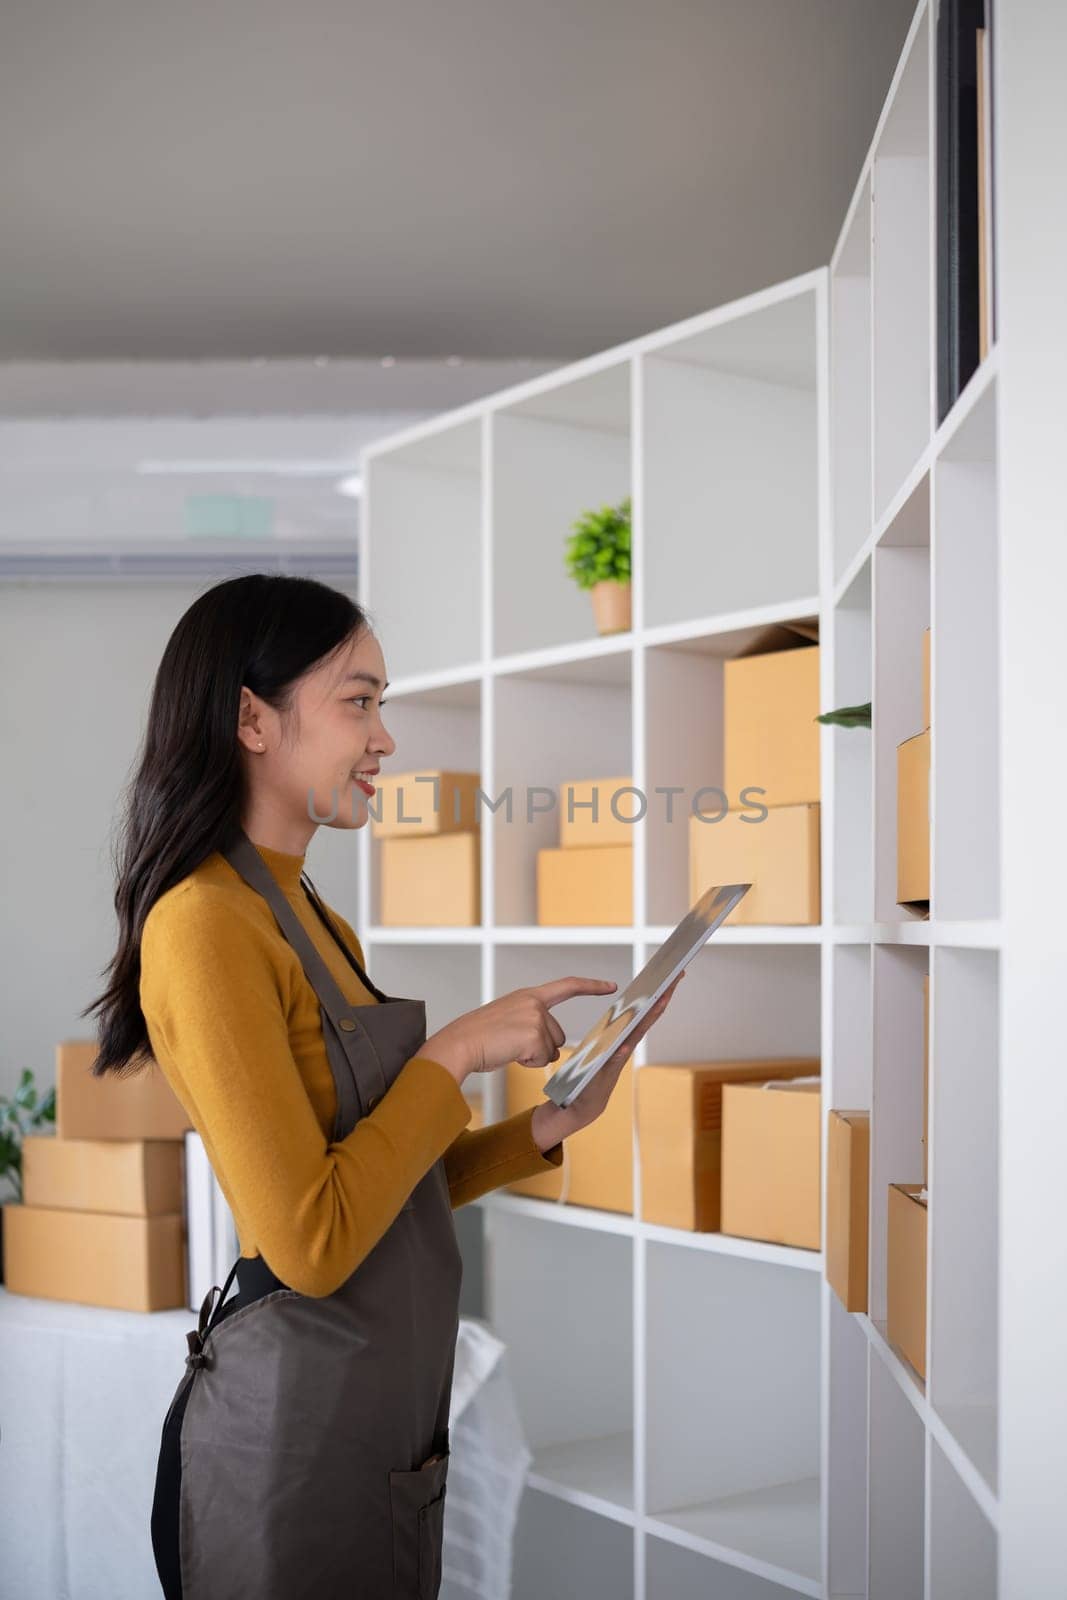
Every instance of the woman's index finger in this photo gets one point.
(558, 989)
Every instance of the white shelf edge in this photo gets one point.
(581, 1498)
(727, 1244)
(966, 401)
(866, 172)
(595, 646)
(589, 933)
(624, 1224)
(913, 1389)
(658, 342)
(983, 376)
(620, 1223)
(799, 1582)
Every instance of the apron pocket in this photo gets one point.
(417, 1500)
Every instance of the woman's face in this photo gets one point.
(306, 774)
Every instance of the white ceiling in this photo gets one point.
(417, 178)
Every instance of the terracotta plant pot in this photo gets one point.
(611, 606)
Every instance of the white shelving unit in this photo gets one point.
(725, 1427)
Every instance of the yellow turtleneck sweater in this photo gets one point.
(235, 1027)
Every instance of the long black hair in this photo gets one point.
(188, 792)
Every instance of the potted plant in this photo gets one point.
(598, 559)
(23, 1113)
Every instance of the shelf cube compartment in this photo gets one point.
(965, 672)
(568, 1289)
(434, 482)
(964, 1165)
(853, 842)
(555, 455)
(895, 1532)
(551, 726)
(733, 1451)
(963, 1544)
(435, 730)
(845, 1420)
(902, 405)
(896, 1097)
(850, 386)
(686, 746)
(901, 602)
(519, 965)
(740, 1003)
(559, 1549)
(673, 1572)
(731, 465)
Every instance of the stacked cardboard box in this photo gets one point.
(588, 879)
(906, 1240)
(848, 1155)
(771, 761)
(913, 806)
(102, 1218)
(771, 1161)
(429, 828)
(682, 1142)
(597, 1167)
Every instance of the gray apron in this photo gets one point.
(306, 1450)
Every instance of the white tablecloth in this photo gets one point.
(83, 1394)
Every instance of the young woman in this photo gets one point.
(305, 1452)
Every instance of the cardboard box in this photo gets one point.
(597, 1165)
(679, 1134)
(926, 1078)
(614, 803)
(913, 821)
(771, 738)
(778, 855)
(906, 1274)
(133, 1177)
(94, 1258)
(926, 679)
(406, 803)
(771, 1162)
(585, 884)
(848, 1162)
(140, 1106)
(433, 881)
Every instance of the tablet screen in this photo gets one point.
(627, 1009)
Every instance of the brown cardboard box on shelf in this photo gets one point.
(406, 803)
(141, 1106)
(771, 738)
(597, 1165)
(613, 799)
(913, 821)
(906, 1273)
(95, 1258)
(585, 884)
(679, 1134)
(778, 854)
(926, 680)
(433, 881)
(926, 1077)
(771, 1162)
(848, 1158)
(132, 1177)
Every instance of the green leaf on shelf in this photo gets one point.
(848, 716)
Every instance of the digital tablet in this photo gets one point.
(627, 1009)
